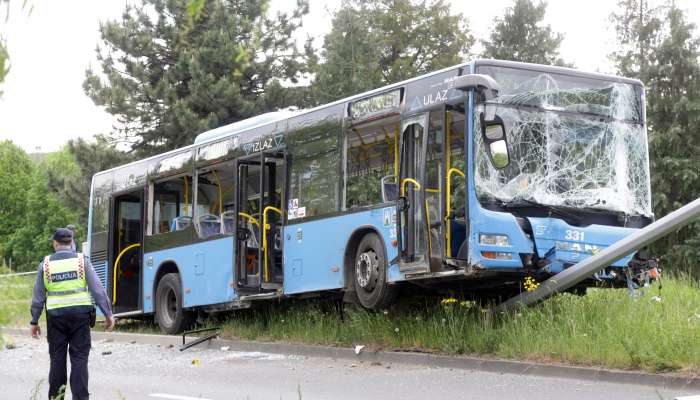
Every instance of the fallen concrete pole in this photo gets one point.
(584, 269)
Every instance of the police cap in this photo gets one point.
(62, 235)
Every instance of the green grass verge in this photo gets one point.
(605, 327)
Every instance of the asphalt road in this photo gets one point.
(132, 371)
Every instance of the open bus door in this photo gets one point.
(412, 226)
(125, 252)
(259, 219)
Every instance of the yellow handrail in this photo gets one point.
(448, 234)
(408, 180)
(266, 227)
(250, 217)
(116, 265)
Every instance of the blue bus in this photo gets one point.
(474, 176)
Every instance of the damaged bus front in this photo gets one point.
(560, 171)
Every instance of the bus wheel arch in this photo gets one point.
(365, 270)
(168, 300)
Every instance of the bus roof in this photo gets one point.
(277, 116)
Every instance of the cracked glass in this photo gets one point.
(572, 141)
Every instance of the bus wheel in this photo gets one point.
(370, 274)
(170, 315)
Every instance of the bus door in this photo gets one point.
(454, 196)
(126, 255)
(412, 225)
(259, 209)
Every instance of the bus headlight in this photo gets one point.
(497, 255)
(493, 240)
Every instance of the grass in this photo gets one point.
(606, 327)
(15, 299)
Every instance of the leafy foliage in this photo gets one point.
(174, 68)
(520, 36)
(661, 48)
(31, 240)
(4, 62)
(375, 43)
(30, 212)
(17, 173)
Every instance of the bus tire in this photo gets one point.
(371, 286)
(170, 315)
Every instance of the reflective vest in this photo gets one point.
(65, 283)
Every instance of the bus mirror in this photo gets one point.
(494, 136)
(242, 234)
(483, 84)
(494, 132)
(499, 153)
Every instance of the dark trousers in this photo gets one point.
(69, 333)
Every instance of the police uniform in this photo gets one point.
(66, 285)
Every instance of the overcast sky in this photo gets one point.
(44, 105)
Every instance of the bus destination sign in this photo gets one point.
(379, 104)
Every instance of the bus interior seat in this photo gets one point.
(390, 190)
(228, 221)
(180, 223)
(209, 225)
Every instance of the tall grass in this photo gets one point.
(606, 327)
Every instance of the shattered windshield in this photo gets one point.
(572, 141)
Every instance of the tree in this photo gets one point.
(375, 43)
(638, 29)
(174, 68)
(44, 213)
(17, 174)
(520, 36)
(659, 47)
(29, 212)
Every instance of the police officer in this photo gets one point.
(64, 282)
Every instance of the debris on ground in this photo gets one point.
(358, 349)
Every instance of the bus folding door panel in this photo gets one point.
(314, 251)
(206, 272)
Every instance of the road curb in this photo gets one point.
(666, 381)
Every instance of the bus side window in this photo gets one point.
(370, 169)
(215, 200)
(172, 205)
